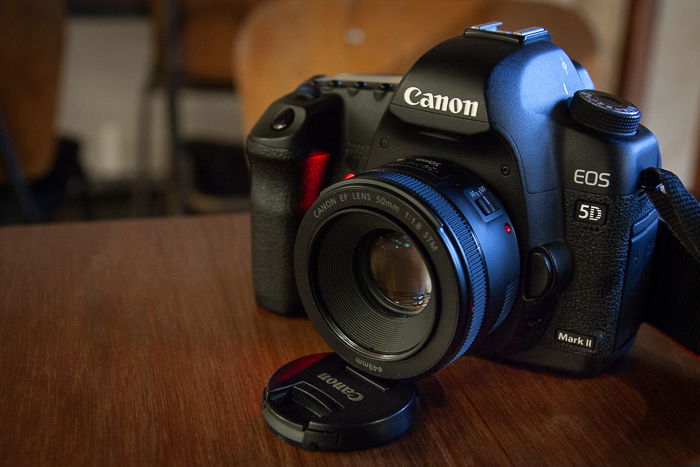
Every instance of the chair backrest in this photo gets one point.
(205, 30)
(284, 42)
(31, 33)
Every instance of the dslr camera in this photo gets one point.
(488, 201)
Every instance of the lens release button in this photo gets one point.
(540, 275)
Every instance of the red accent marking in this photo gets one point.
(313, 169)
(349, 175)
(508, 228)
(298, 366)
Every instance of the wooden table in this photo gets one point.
(139, 342)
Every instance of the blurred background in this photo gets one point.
(134, 108)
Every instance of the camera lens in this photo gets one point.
(399, 272)
(402, 269)
(358, 306)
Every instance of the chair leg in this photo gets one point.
(173, 84)
(52, 191)
(25, 198)
(142, 188)
(87, 206)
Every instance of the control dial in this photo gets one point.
(605, 113)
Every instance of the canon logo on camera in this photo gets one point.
(414, 96)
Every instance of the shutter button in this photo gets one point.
(283, 120)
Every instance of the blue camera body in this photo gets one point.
(525, 175)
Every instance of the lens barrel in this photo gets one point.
(403, 268)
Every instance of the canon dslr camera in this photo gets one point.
(489, 200)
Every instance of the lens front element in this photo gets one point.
(399, 272)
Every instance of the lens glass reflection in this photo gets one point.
(399, 271)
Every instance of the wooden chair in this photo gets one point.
(284, 42)
(192, 50)
(31, 37)
(204, 30)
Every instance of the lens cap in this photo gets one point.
(320, 402)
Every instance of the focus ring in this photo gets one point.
(472, 255)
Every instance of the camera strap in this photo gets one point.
(673, 302)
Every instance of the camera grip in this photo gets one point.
(593, 302)
(275, 201)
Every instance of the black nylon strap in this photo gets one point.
(673, 303)
(677, 207)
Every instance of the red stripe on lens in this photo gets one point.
(313, 170)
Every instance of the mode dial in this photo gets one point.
(605, 112)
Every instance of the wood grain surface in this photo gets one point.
(139, 343)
